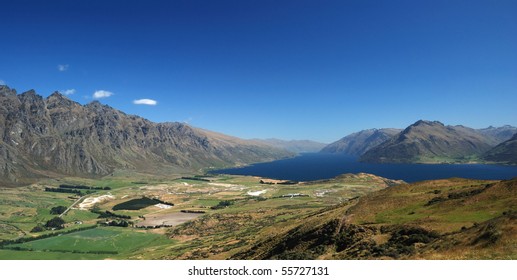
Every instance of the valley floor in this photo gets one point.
(359, 216)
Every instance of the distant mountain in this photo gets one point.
(426, 141)
(358, 143)
(499, 134)
(295, 146)
(505, 152)
(57, 136)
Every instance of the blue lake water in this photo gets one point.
(316, 166)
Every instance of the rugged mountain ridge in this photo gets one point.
(425, 141)
(360, 142)
(431, 141)
(52, 136)
(295, 146)
(499, 134)
(505, 152)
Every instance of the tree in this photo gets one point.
(55, 222)
(37, 228)
(57, 210)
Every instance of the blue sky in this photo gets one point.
(258, 69)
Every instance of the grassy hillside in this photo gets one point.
(444, 219)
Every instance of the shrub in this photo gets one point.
(57, 210)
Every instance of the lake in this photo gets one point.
(316, 166)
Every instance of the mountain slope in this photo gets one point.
(295, 146)
(358, 143)
(426, 141)
(499, 134)
(55, 136)
(505, 152)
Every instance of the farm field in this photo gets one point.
(104, 242)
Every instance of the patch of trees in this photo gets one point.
(38, 228)
(55, 222)
(74, 191)
(81, 187)
(222, 204)
(193, 211)
(58, 210)
(108, 214)
(153, 227)
(195, 179)
(295, 195)
(279, 183)
(116, 223)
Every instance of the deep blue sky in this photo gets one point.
(286, 69)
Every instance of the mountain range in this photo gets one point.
(429, 142)
(358, 143)
(55, 136)
(505, 152)
(294, 146)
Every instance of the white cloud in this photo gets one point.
(102, 94)
(2, 83)
(145, 101)
(62, 67)
(67, 91)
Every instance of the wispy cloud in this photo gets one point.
(67, 91)
(102, 94)
(62, 67)
(2, 83)
(145, 101)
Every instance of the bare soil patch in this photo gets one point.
(167, 219)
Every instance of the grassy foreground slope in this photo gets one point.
(442, 219)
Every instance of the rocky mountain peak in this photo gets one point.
(57, 99)
(6, 91)
(426, 122)
(29, 94)
(56, 95)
